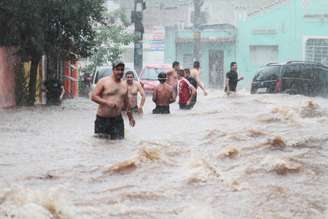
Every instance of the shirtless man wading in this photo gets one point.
(163, 96)
(111, 93)
(195, 73)
(172, 77)
(134, 87)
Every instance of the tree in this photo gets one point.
(111, 36)
(38, 27)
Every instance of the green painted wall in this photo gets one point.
(170, 46)
(176, 51)
(289, 28)
(285, 26)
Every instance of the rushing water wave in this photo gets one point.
(245, 156)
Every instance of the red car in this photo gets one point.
(148, 76)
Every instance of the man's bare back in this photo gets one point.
(163, 95)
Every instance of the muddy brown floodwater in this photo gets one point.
(247, 157)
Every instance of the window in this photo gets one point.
(308, 71)
(268, 73)
(292, 71)
(317, 51)
(187, 61)
(323, 74)
(262, 55)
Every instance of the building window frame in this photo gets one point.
(305, 40)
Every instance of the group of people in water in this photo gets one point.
(177, 83)
(114, 95)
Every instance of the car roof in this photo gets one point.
(295, 62)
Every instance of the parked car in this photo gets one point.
(105, 71)
(293, 77)
(148, 76)
(100, 72)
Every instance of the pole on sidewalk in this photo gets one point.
(137, 19)
(197, 20)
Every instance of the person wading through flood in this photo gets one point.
(163, 96)
(172, 77)
(111, 93)
(134, 87)
(186, 91)
(195, 73)
(194, 83)
(232, 79)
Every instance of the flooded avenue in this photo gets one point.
(248, 156)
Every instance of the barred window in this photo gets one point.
(317, 51)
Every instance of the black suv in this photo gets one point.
(294, 77)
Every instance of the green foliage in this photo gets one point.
(111, 36)
(58, 28)
(49, 26)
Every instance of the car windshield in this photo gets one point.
(102, 72)
(268, 73)
(152, 73)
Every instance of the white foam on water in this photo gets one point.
(24, 203)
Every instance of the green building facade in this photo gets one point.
(291, 30)
(284, 31)
(218, 47)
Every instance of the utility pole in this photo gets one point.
(137, 19)
(197, 21)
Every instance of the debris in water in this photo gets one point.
(230, 152)
(256, 133)
(149, 154)
(277, 143)
(310, 110)
(235, 186)
(122, 167)
(282, 167)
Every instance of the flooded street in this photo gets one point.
(247, 157)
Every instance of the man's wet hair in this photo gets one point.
(162, 77)
(175, 63)
(129, 73)
(232, 64)
(181, 72)
(187, 71)
(196, 64)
